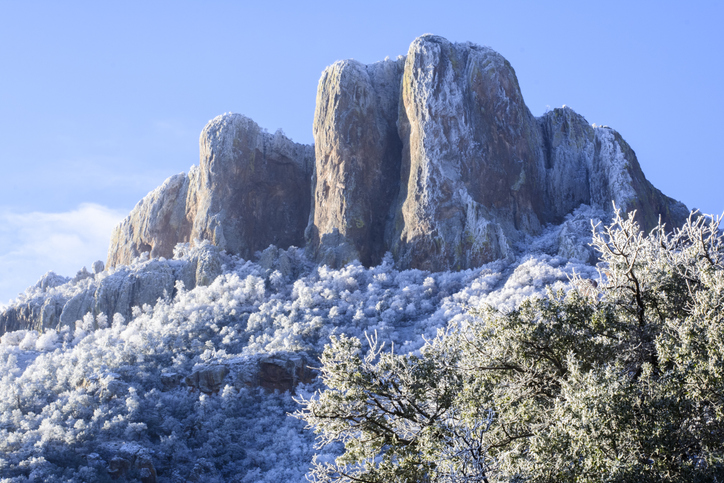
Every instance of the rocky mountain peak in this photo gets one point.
(250, 190)
(433, 156)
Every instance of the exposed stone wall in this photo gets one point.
(358, 154)
(433, 156)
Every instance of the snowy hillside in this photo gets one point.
(192, 387)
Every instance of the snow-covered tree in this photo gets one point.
(620, 379)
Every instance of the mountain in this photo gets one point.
(433, 157)
(430, 189)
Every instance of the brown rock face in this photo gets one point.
(477, 171)
(281, 371)
(434, 157)
(471, 158)
(357, 160)
(209, 379)
(283, 374)
(251, 189)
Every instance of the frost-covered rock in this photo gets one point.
(98, 266)
(433, 156)
(208, 379)
(50, 280)
(251, 189)
(278, 371)
(594, 165)
(156, 224)
(470, 166)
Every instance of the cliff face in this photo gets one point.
(470, 158)
(358, 154)
(251, 190)
(433, 156)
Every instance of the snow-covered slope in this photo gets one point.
(196, 385)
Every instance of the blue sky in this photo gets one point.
(100, 101)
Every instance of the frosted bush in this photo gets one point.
(13, 338)
(102, 320)
(47, 341)
(29, 341)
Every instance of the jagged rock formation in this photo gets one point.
(433, 156)
(251, 190)
(110, 293)
(470, 158)
(595, 164)
(477, 171)
(156, 224)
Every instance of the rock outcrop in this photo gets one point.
(478, 171)
(279, 371)
(433, 156)
(156, 224)
(594, 165)
(357, 160)
(471, 163)
(251, 189)
(52, 305)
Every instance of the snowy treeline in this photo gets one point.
(113, 395)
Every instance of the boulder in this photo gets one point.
(279, 371)
(170, 380)
(133, 462)
(118, 467)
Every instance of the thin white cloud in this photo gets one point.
(33, 243)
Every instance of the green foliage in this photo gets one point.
(620, 380)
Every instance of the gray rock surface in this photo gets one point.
(251, 189)
(357, 160)
(594, 165)
(156, 224)
(471, 158)
(278, 371)
(208, 379)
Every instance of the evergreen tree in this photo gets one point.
(616, 380)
